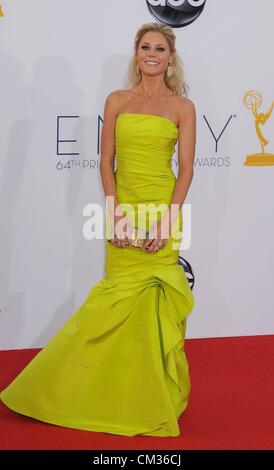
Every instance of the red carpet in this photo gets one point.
(231, 404)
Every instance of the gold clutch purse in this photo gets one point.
(139, 236)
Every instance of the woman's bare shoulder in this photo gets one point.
(116, 94)
(184, 102)
(185, 107)
(116, 98)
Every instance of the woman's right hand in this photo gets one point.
(122, 231)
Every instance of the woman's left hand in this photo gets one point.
(158, 236)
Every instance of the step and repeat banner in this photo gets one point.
(59, 60)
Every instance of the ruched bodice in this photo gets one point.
(145, 144)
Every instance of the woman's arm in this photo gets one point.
(186, 154)
(108, 148)
(107, 161)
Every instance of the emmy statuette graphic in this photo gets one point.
(253, 100)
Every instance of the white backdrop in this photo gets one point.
(62, 59)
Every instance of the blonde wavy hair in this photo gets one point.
(176, 83)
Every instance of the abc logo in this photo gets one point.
(176, 13)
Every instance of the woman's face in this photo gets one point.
(153, 55)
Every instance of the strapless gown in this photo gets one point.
(118, 364)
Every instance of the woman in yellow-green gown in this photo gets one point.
(118, 364)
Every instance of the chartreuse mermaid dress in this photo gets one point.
(118, 364)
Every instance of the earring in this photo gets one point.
(170, 71)
(137, 69)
